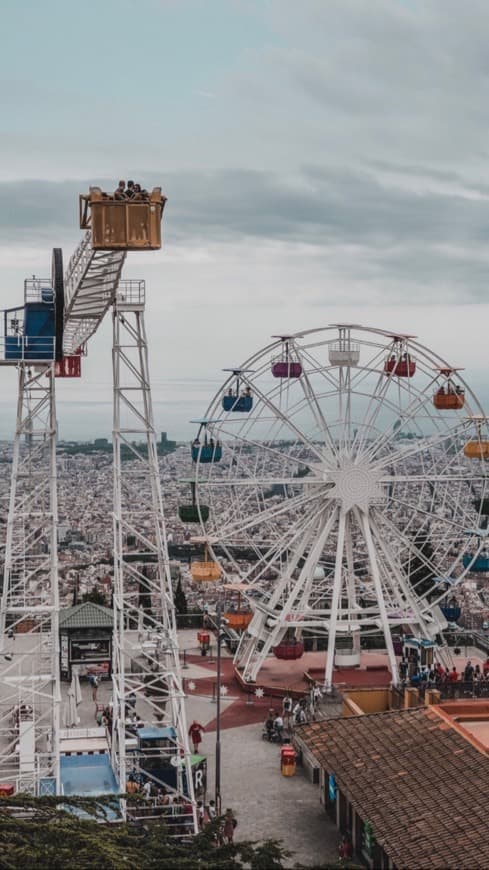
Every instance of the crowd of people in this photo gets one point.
(280, 724)
(472, 679)
(131, 191)
(177, 809)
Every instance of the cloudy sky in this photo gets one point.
(324, 160)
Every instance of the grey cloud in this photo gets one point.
(404, 236)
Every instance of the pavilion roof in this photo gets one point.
(86, 615)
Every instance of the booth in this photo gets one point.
(287, 760)
(85, 632)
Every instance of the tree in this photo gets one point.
(96, 596)
(180, 598)
(43, 832)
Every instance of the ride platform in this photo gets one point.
(277, 676)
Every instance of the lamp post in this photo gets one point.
(218, 710)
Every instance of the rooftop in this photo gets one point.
(417, 779)
(86, 615)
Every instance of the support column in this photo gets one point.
(337, 584)
(29, 606)
(146, 655)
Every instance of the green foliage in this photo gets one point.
(41, 832)
(96, 597)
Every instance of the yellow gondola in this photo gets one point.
(477, 450)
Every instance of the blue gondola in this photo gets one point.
(478, 565)
(451, 614)
(237, 403)
(206, 452)
(238, 397)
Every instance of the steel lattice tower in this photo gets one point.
(29, 610)
(145, 657)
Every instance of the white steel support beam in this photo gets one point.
(365, 523)
(29, 608)
(338, 580)
(145, 658)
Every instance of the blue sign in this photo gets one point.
(332, 787)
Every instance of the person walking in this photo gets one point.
(93, 680)
(195, 733)
(230, 824)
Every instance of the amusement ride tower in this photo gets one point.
(45, 339)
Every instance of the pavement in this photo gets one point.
(267, 805)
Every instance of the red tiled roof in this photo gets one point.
(421, 785)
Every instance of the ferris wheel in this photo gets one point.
(350, 463)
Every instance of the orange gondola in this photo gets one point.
(239, 616)
(205, 570)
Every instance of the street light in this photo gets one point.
(218, 710)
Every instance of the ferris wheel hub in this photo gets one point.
(356, 485)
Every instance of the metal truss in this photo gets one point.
(91, 283)
(145, 656)
(30, 696)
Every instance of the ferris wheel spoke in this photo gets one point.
(422, 446)
(267, 515)
(399, 581)
(288, 423)
(378, 397)
(364, 523)
(297, 534)
(409, 545)
(428, 515)
(420, 401)
(317, 412)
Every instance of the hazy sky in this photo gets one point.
(324, 160)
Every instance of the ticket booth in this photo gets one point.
(86, 639)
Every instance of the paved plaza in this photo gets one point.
(267, 805)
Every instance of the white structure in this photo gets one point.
(29, 610)
(351, 486)
(145, 646)
(145, 657)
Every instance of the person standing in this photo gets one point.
(195, 733)
(93, 680)
(230, 824)
(278, 725)
(287, 709)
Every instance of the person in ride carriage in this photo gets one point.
(119, 191)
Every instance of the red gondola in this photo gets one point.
(403, 367)
(289, 649)
(449, 399)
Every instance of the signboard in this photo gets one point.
(332, 787)
(368, 838)
(64, 652)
